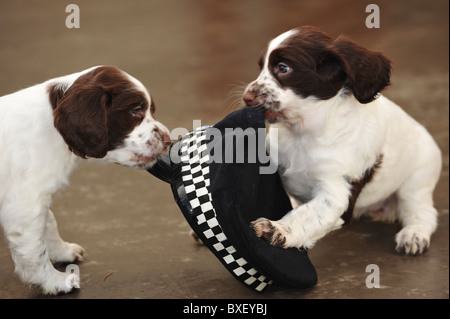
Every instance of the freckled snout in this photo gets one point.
(250, 98)
(162, 135)
(259, 95)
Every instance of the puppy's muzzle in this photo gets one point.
(252, 98)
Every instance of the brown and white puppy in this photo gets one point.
(101, 113)
(343, 148)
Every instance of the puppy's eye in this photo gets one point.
(282, 68)
(137, 111)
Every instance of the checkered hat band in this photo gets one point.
(196, 180)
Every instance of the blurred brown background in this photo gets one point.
(195, 57)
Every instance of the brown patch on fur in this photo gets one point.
(93, 114)
(321, 67)
(357, 187)
(56, 92)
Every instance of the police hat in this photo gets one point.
(220, 187)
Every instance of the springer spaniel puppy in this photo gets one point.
(343, 148)
(101, 113)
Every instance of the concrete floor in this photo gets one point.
(195, 57)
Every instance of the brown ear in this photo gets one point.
(80, 116)
(368, 72)
(56, 93)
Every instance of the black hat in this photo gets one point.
(221, 187)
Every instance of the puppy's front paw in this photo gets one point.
(66, 253)
(60, 283)
(270, 231)
(412, 240)
(77, 252)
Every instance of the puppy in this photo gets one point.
(343, 148)
(101, 113)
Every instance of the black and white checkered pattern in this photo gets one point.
(195, 176)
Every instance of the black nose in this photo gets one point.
(250, 98)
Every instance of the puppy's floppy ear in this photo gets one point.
(368, 72)
(331, 72)
(80, 116)
(55, 93)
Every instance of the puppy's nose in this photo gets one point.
(162, 134)
(250, 98)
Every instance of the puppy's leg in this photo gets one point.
(24, 226)
(306, 224)
(416, 211)
(59, 250)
